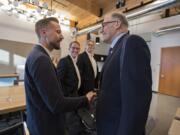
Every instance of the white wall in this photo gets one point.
(18, 29)
(101, 48)
(152, 23)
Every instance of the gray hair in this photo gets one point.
(121, 18)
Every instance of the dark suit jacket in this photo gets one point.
(44, 98)
(68, 76)
(88, 79)
(124, 103)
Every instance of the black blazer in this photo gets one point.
(68, 77)
(44, 98)
(88, 79)
(123, 104)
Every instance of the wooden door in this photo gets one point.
(169, 82)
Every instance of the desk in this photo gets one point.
(175, 128)
(12, 99)
(11, 76)
(177, 115)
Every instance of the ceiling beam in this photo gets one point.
(88, 5)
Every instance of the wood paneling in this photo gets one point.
(86, 12)
(92, 7)
(87, 21)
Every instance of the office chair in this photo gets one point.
(16, 129)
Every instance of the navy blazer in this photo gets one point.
(88, 79)
(123, 104)
(68, 77)
(44, 98)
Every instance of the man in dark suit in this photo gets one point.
(68, 72)
(88, 69)
(69, 76)
(125, 94)
(44, 98)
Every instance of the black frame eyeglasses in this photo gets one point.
(105, 23)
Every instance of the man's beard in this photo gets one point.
(55, 45)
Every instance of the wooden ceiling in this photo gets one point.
(87, 12)
(73, 11)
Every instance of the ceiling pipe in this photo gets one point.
(89, 29)
(165, 30)
(145, 10)
(151, 8)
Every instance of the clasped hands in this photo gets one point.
(91, 96)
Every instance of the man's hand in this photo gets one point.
(90, 96)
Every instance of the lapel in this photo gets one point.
(72, 65)
(116, 48)
(89, 61)
(41, 49)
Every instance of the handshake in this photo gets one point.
(91, 96)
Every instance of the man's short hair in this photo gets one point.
(90, 40)
(76, 42)
(43, 23)
(120, 17)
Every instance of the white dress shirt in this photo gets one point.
(93, 63)
(115, 41)
(77, 70)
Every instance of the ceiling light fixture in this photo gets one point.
(32, 9)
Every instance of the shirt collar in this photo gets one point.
(73, 59)
(48, 52)
(116, 39)
(89, 54)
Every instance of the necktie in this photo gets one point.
(110, 50)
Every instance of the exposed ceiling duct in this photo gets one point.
(89, 29)
(145, 10)
(165, 30)
(151, 8)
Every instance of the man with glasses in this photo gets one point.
(70, 78)
(88, 68)
(125, 84)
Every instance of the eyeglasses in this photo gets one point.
(105, 23)
(77, 48)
